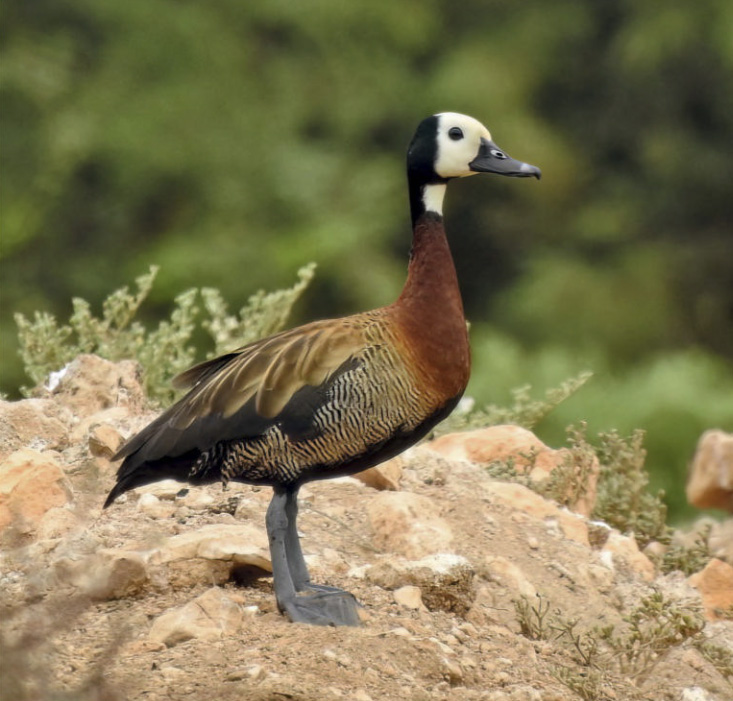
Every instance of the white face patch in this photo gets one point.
(458, 140)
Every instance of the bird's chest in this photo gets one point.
(436, 341)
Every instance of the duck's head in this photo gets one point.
(451, 145)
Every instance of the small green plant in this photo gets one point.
(612, 657)
(265, 313)
(46, 346)
(584, 644)
(524, 410)
(688, 559)
(532, 617)
(623, 501)
(568, 482)
(655, 626)
(588, 684)
(720, 657)
(507, 471)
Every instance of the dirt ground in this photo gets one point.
(60, 643)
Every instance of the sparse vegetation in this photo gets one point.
(606, 657)
(720, 657)
(265, 313)
(654, 627)
(524, 410)
(623, 501)
(568, 482)
(46, 346)
(532, 617)
(688, 559)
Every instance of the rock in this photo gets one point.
(517, 497)
(383, 477)
(164, 489)
(211, 553)
(523, 448)
(57, 522)
(111, 417)
(622, 552)
(715, 584)
(409, 596)
(444, 580)
(31, 483)
(151, 506)
(720, 540)
(511, 576)
(711, 478)
(697, 693)
(408, 524)
(89, 384)
(33, 423)
(108, 574)
(104, 441)
(208, 617)
(199, 500)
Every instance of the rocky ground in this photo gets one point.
(472, 588)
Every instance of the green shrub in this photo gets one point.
(623, 500)
(46, 346)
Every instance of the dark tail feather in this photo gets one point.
(130, 475)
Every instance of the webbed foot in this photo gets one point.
(325, 606)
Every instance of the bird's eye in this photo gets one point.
(498, 154)
(455, 133)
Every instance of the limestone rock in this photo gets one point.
(507, 442)
(409, 596)
(445, 580)
(164, 489)
(108, 574)
(408, 524)
(520, 498)
(511, 576)
(89, 384)
(31, 483)
(151, 506)
(57, 522)
(621, 551)
(82, 432)
(715, 584)
(211, 553)
(104, 441)
(720, 540)
(208, 617)
(33, 423)
(383, 477)
(711, 479)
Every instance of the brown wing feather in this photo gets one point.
(269, 372)
(274, 369)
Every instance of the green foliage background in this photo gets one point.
(232, 142)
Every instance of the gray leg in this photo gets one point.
(296, 561)
(316, 605)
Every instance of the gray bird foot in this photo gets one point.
(326, 606)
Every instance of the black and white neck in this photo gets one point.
(427, 199)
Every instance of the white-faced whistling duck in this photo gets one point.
(332, 397)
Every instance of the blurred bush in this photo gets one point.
(231, 142)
